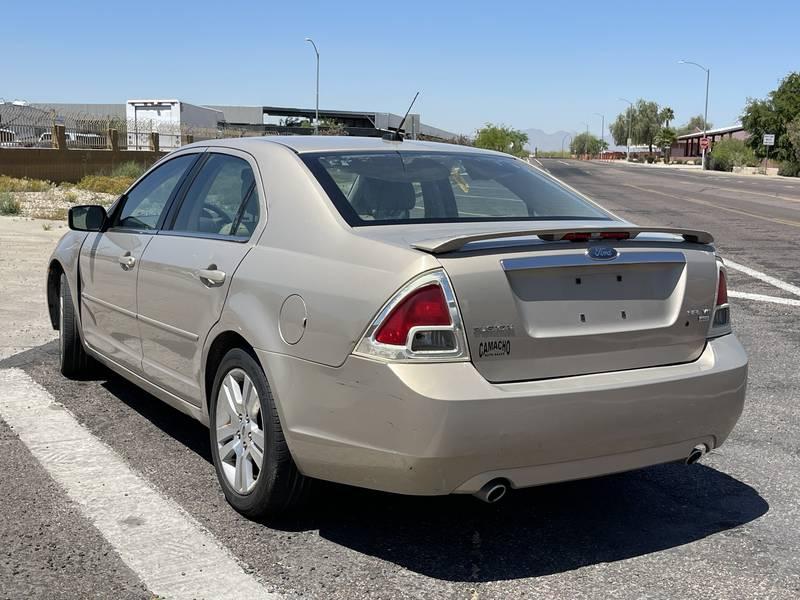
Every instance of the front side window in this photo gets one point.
(144, 204)
(412, 187)
(222, 199)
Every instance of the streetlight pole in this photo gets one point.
(602, 130)
(316, 122)
(562, 143)
(705, 114)
(630, 117)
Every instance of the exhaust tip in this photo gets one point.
(493, 491)
(696, 454)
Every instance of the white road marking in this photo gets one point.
(540, 162)
(563, 163)
(172, 554)
(778, 283)
(764, 298)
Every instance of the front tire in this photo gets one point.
(73, 362)
(253, 463)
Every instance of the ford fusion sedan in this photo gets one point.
(405, 316)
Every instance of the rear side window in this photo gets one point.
(222, 200)
(145, 203)
(411, 187)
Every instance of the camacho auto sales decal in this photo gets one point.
(494, 348)
(499, 347)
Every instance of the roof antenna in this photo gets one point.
(396, 136)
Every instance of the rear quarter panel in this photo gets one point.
(308, 250)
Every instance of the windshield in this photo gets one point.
(412, 187)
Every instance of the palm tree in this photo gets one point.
(667, 115)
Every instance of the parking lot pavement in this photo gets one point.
(726, 528)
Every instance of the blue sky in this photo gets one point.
(548, 65)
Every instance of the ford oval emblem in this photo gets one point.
(602, 253)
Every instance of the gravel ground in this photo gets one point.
(54, 203)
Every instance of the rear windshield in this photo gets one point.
(416, 187)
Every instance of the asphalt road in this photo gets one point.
(726, 528)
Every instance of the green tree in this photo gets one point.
(666, 115)
(502, 139)
(645, 122)
(585, 143)
(693, 125)
(776, 115)
(664, 140)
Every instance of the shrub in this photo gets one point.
(730, 153)
(105, 184)
(9, 205)
(14, 184)
(71, 197)
(790, 169)
(128, 169)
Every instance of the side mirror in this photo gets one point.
(89, 217)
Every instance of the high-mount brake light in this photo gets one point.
(421, 322)
(577, 236)
(422, 307)
(585, 236)
(615, 235)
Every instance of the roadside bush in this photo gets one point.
(128, 169)
(105, 184)
(14, 184)
(730, 153)
(789, 169)
(9, 205)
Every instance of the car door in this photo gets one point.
(187, 268)
(109, 264)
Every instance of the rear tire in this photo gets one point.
(74, 362)
(242, 431)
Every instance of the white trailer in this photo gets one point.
(168, 118)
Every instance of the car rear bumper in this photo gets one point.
(440, 428)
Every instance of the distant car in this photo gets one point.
(405, 316)
(46, 139)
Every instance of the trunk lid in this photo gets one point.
(561, 308)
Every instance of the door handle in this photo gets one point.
(127, 261)
(211, 277)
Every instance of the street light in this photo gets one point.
(705, 114)
(602, 130)
(562, 143)
(316, 51)
(630, 116)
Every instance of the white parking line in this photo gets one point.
(778, 283)
(764, 298)
(172, 554)
(563, 163)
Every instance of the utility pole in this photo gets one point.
(705, 113)
(602, 130)
(316, 122)
(630, 117)
(563, 139)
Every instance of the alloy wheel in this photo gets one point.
(240, 433)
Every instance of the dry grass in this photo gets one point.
(9, 205)
(105, 184)
(14, 184)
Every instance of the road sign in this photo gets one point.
(769, 139)
(704, 143)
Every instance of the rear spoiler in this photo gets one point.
(451, 244)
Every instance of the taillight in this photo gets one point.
(424, 306)
(721, 323)
(722, 289)
(420, 322)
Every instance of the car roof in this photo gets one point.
(331, 143)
